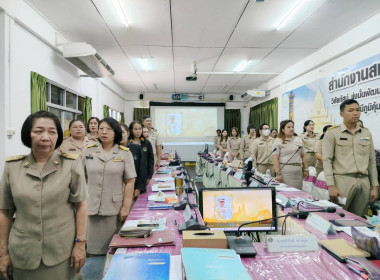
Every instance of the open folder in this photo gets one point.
(158, 238)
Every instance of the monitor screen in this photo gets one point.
(227, 209)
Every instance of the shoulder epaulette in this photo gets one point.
(14, 158)
(124, 148)
(92, 145)
(334, 126)
(70, 156)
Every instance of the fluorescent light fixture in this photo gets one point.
(292, 12)
(120, 12)
(144, 64)
(242, 66)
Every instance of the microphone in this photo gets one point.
(304, 214)
(298, 148)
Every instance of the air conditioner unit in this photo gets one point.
(255, 93)
(84, 56)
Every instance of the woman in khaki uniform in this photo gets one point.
(318, 153)
(247, 141)
(289, 156)
(222, 143)
(310, 140)
(110, 174)
(77, 142)
(233, 145)
(261, 149)
(92, 128)
(48, 193)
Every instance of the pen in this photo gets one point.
(174, 221)
(362, 275)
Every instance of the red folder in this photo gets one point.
(158, 238)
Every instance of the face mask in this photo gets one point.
(266, 132)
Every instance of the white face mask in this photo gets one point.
(266, 132)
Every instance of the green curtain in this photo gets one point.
(122, 118)
(265, 112)
(232, 118)
(138, 113)
(38, 92)
(106, 111)
(87, 109)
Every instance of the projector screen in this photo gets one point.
(187, 123)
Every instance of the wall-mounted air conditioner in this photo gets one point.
(84, 56)
(255, 93)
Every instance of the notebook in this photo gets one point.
(158, 238)
(341, 249)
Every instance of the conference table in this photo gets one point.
(288, 265)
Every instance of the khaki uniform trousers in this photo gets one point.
(292, 176)
(264, 167)
(311, 159)
(357, 191)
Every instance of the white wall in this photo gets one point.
(359, 43)
(26, 45)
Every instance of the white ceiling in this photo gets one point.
(217, 34)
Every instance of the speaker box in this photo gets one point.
(231, 97)
(141, 96)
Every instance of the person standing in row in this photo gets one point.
(261, 149)
(47, 190)
(289, 156)
(233, 145)
(216, 139)
(140, 167)
(318, 153)
(247, 141)
(92, 128)
(349, 161)
(147, 160)
(310, 140)
(273, 133)
(110, 174)
(154, 139)
(77, 142)
(222, 143)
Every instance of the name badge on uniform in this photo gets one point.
(89, 157)
(261, 144)
(72, 150)
(118, 160)
(343, 139)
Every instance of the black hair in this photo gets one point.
(221, 135)
(28, 124)
(218, 130)
(125, 127)
(325, 128)
(116, 128)
(262, 125)
(146, 117)
(249, 127)
(306, 124)
(274, 129)
(347, 102)
(75, 120)
(88, 123)
(237, 131)
(131, 130)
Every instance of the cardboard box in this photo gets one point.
(204, 239)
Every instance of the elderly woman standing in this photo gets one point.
(47, 191)
(110, 174)
(289, 156)
(77, 142)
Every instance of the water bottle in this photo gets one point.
(267, 176)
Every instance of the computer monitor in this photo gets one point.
(227, 208)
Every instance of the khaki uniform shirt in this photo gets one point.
(260, 150)
(310, 143)
(90, 137)
(155, 139)
(216, 140)
(244, 146)
(106, 176)
(318, 149)
(345, 153)
(69, 146)
(44, 228)
(222, 144)
(233, 146)
(287, 150)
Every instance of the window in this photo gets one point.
(64, 103)
(114, 114)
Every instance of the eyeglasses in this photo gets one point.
(106, 129)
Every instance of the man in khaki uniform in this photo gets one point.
(349, 161)
(246, 142)
(261, 149)
(154, 139)
(216, 139)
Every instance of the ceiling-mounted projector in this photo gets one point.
(192, 78)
